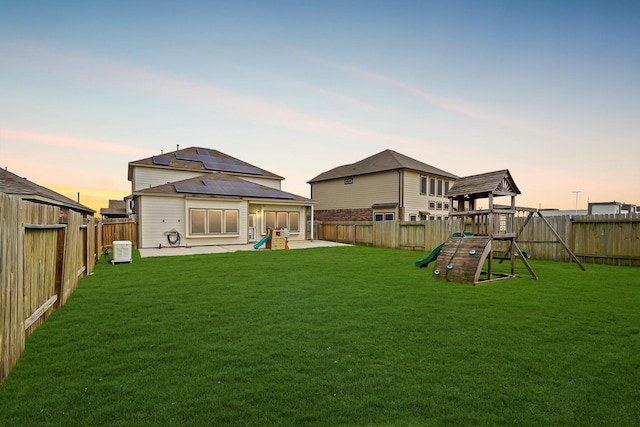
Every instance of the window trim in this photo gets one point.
(384, 216)
(276, 224)
(207, 222)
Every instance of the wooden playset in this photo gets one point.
(475, 231)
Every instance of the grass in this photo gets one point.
(347, 336)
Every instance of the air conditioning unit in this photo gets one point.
(121, 251)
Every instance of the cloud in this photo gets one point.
(63, 141)
(78, 65)
(457, 105)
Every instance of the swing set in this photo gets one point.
(477, 234)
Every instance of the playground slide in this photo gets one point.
(433, 255)
(261, 242)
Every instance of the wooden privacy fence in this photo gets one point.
(606, 239)
(119, 229)
(41, 262)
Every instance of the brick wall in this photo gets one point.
(344, 215)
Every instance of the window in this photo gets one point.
(213, 221)
(432, 186)
(413, 217)
(446, 187)
(446, 205)
(440, 205)
(432, 205)
(197, 221)
(270, 219)
(423, 217)
(348, 181)
(231, 221)
(423, 185)
(282, 219)
(384, 216)
(294, 222)
(439, 187)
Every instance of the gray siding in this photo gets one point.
(365, 191)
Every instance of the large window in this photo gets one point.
(432, 186)
(213, 221)
(439, 187)
(282, 219)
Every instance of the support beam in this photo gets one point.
(557, 236)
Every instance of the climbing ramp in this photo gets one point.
(461, 259)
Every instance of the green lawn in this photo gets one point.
(347, 336)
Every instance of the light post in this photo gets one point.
(577, 192)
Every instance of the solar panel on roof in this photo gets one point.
(222, 164)
(229, 165)
(187, 156)
(160, 160)
(247, 189)
(231, 188)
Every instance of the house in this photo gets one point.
(118, 209)
(199, 196)
(15, 185)
(386, 186)
(599, 208)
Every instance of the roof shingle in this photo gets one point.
(384, 161)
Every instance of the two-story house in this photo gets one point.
(198, 197)
(386, 186)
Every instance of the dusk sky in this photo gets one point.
(547, 89)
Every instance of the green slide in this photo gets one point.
(433, 255)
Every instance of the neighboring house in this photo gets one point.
(118, 209)
(206, 197)
(384, 187)
(599, 208)
(15, 185)
(558, 212)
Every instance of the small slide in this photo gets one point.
(261, 242)
(433, 255)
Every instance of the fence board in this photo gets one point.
(11, 282)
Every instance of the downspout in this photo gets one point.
(401, 194)
(311, 234)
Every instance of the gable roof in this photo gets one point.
(386, 160)
(221, 185)
(203, 160)
(498, 183)
(15, 185)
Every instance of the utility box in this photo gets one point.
(276, 238)
(121, 251)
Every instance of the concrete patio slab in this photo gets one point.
(192, 250)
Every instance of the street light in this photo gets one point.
(577, 192)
